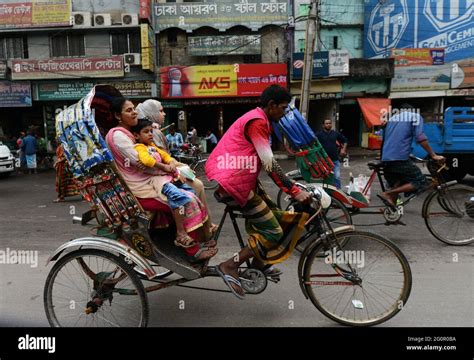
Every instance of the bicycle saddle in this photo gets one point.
(375, 164)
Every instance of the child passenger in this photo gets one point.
(170, 187)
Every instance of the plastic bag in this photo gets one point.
(359, 185)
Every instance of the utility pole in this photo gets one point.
(312, 26)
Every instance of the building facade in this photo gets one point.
(54, 63)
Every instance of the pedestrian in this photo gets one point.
(211, 141)
(175, 141)
(192, 137)
(329, 139)
(21, 153)
(30, 147)
(65, 184)
(401, 173)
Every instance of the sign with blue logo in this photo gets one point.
(320, 65)
(401, 24)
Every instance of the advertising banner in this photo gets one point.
(220, 80)
(462, 75)
(320, 65)
(396, 24)
(148, 47)
(224, 45)
(338, 62)
(421, 78)
(221, 15)
(38, 13)
(67, 68)
(15, 94)
(418, 57)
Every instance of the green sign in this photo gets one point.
(63, 91)
(76, 90)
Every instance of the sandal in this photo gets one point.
(185, 241)
(203, 254)
(208, 244)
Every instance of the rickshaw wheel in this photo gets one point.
(94, 288)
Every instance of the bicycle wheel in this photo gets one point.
(199, 169)
(364, 283)
(94, 288)
(448, 215)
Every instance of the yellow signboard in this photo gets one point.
(148, 47)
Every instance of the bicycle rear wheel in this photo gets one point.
(199, 169)
(363, 283)
(449, 215)
(94, 288)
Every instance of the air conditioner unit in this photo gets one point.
(81, 19)
(102, 20)
(132, 59)
(129, 19)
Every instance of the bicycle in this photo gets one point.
(192, 156)
(447, 209)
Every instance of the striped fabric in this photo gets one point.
(273, 233)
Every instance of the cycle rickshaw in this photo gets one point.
(99, 280)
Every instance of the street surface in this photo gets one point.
(443, 276)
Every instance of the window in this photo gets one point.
(68, 45)
(301, 45)
(252, 59)
(358, 42)
(332, 42)
(14, 48)
(124, 43)
(304, 9)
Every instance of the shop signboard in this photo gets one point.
(462, 74)
(15, 94)
(320, 65)
(52, 91)
(148, 47)
(220, 80)
(67, 68)
(418, 57)
(421, 78)
(224, 45)
(220, 15)
(44, 13)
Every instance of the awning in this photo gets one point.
(373, 110)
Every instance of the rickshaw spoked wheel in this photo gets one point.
(89, 287)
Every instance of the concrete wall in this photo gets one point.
(348, 38)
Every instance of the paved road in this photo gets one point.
(442, 295)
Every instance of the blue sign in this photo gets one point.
(401, 24)
(320, 65)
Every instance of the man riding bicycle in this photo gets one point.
(235, 164)
(401, 173)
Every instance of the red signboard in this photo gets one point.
(145, 10)
(67, 68)
(220, 80)
(252, 79)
